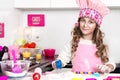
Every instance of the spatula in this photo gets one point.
(16, 68)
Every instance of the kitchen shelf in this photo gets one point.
(20, 4)
(56, 4)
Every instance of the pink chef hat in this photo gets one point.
(94, 9)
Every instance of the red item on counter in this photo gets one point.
(36, 76)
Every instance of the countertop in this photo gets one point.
(45, 65)
(65, 74)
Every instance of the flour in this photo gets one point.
(11, 74)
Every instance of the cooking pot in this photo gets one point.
(49, 52)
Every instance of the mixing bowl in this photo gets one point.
(8, 65)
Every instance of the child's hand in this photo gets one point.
(53, 65)
(104, 68)
(57, 64)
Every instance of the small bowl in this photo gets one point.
(49, 52)
(7, 66)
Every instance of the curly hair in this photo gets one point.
(96, 39)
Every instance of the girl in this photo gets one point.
(87, 50)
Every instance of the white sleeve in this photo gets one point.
(65, 54)
(111, 61)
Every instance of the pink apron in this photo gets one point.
(85, 59)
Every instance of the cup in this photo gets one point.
(58, 64)
(26, 55)
(38, 56)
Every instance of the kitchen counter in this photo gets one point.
(63, 74)
(66, 74)
(44, 64)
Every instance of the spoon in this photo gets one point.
(16, 68)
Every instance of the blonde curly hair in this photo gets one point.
(96, 39)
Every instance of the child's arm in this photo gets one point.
(64, 56)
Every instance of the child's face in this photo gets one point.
(87, 26)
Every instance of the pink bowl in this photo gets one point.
(49, 52)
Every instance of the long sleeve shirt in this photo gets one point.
(65, 55)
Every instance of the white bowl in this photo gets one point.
(33, 51)
(7, 68)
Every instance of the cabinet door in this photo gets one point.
(63, 4)
(112, 3)
(72, 3)
(32, 3)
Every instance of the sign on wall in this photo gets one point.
(37, 20)
(1, 30)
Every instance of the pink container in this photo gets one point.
(113, 78)
(3, 78)
(49, 52)
(17, 52)
(91, 79)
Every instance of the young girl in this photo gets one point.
(87, 51)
